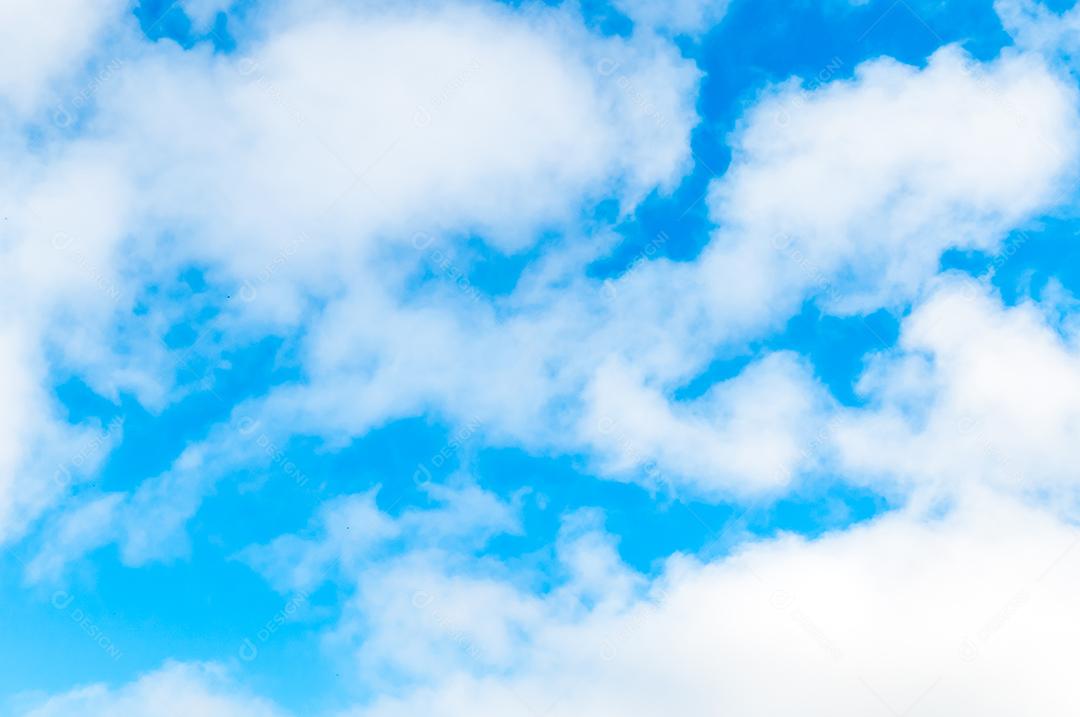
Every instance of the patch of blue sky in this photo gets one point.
(151, 441)
(652, 525)
(469, 263)
(1028, 261)
(166, 19)
(602, 17)
(837, 348)
(112, 622)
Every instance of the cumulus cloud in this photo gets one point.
(750, 433)
(1035, 26)
(935, 612)
(968, 612)
(858, 186)
(62, 216)
(420, 600)
(456, 117)
(269, 168)
(975, 392)
(326, 177)
(847, 192)
(716, 636)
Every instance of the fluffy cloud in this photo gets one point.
(41, 456)
(327, 175)
(750, 433)
(351, 532)
(975, 392)
(1036, 27)
(454, 118)
(175, 690)
(853, 191)
(965, 613)
(159, 158)
(45, 44)
(59, 224)
(853, 210)
(848, 192)
(969, 610)
(966, 609)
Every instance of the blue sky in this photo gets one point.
(423, 345)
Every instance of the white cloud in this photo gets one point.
(203, 12)
(74, 532)
(41, 455)
(962, 610)
(1035, 27)
(965, 613)
(848, 191)
(677, 16)
(748, 434)
(966, 608)
(332, 137)
(301, 173)
(422, 602)
(852, 191)
(975, 392)
(453, 118)
(351, 532)
(46, 42)
(175, 690)
(62, 215)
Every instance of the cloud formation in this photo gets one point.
(416, 202)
